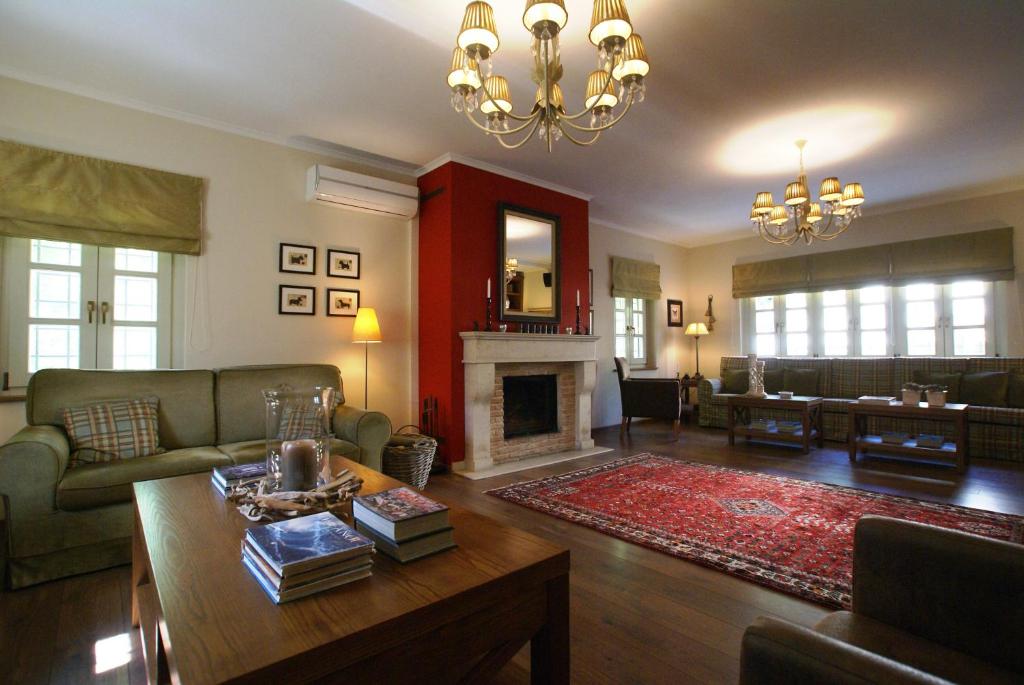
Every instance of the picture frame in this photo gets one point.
(343, 264)
(342, 302)
(296, 300)
(297, 259)
(675, 313)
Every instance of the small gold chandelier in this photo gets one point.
(801, 218)
(621, 58)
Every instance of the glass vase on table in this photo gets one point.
(298, 436)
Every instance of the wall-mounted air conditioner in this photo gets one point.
(360, 193)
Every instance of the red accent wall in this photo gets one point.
(458, 252)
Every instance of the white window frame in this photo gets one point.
(944, 318)
(634, 361)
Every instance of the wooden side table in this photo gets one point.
(954, 450)
(811, 415)
(684, 388)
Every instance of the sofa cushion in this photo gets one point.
(108, 431)
(985, 388)
(241, 410)
(735, 381)
(1015, 391)
(249, 451)
(1000, 416)
(950, 380)
(186, 399)
(773, 380)
(801, 381)
(906, 648)
(854, 377)
(94, 485)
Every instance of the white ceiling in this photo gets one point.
(915, 99)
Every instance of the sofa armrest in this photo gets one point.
(708, 387)
(963, 591)
(775, 651)
(32, 462)
(370, 430)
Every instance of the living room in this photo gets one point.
(204, 203)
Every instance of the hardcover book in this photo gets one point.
(876, 399)
(307, 542)
(231, 475)
(400, 513)
(280, 596)
(412, 549)
(297, 579)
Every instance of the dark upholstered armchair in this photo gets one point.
(649, 398)
(930, 605)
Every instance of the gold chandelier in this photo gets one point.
(621, 58)
(799, 217)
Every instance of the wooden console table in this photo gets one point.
(810, 409)
(953, 451)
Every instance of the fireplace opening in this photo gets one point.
(531, 405)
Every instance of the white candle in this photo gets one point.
(577, 297)
(488, 288)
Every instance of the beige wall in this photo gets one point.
(255, 199)
(709, 269)
(674, 349)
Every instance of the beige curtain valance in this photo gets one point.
(986, 255)
(633, 278)
(60, 196)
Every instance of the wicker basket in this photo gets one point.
(409, 456)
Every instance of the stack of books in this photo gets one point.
(305, 555)
(895, 437)
(226, 477)
(403, 524)
(875, 399)
(762, 424)
(789, 426)
(932, 441)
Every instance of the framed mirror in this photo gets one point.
(529, 271)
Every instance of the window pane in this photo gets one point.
(638, 347)
(796, 300)
(831, 298)
(620, 346)
(620, 323)
(835, 319)
(638, 305)
(921, 343)
(766, 302)
(53, 252)
(765, 345)
(872, 343)
(126, 259)
(796, 344)
(969, 312)
(969, 341)
(54, 294)
(836, 344)
(968, 289)
(921, 291)
(638, 323)
(620, 303)
(765, 322)
(52, 347)
(134, 298)
(921, 314)
(134, 347)
(872, 317)
(875, 293)
(796, 320)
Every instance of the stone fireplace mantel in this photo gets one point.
(482, 355)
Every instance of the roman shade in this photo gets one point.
(985, 255)
(59, 196)
(633, 278)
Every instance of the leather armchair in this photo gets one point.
(930, 605)
(649, 398)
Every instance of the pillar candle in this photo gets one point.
(298, 464)
(488, 288)
(577, 297)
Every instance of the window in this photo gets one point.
(631, 339)
(923, 319)
(79, 306)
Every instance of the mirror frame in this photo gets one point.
(555, 222)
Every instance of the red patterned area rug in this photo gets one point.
(792, 535)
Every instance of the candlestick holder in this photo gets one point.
(488, 327)
(577, 329)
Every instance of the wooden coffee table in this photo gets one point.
(456, 616)
(954, 448)
(810, 409)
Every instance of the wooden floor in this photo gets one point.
(638, 616)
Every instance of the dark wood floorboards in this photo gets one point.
(638, 616)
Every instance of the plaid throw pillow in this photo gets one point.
(301, 421)
(109, 431)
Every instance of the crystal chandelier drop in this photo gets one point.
(621, 59)
(799, 217)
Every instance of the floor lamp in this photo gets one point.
(697, 329)
(366, 330)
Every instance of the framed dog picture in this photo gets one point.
(342, 302)
(296, 299)
(297, 259)
(342, 264)
(675, 313)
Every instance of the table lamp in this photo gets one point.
(366, 330)
(697, 329)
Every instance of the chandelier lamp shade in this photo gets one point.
(610, 90)
(798, 217)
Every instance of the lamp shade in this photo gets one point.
(696, 328)
(463, 71)
(541, 15)
(366, 329)
(814, 213)
(478, 35)
(557, 99)
(796, 192)
(764, 203)
(598, 97)
(853, 195)
(609, 22)
(779, 215)
(632, 63)
(830, 190)
(497, 88)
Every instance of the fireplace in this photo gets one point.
(530, 405)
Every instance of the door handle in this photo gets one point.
(104, 308)
(90, 307)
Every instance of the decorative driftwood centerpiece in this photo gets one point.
(257, 502)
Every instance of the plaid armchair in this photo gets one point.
(649, 398)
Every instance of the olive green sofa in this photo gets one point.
(62, 521)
